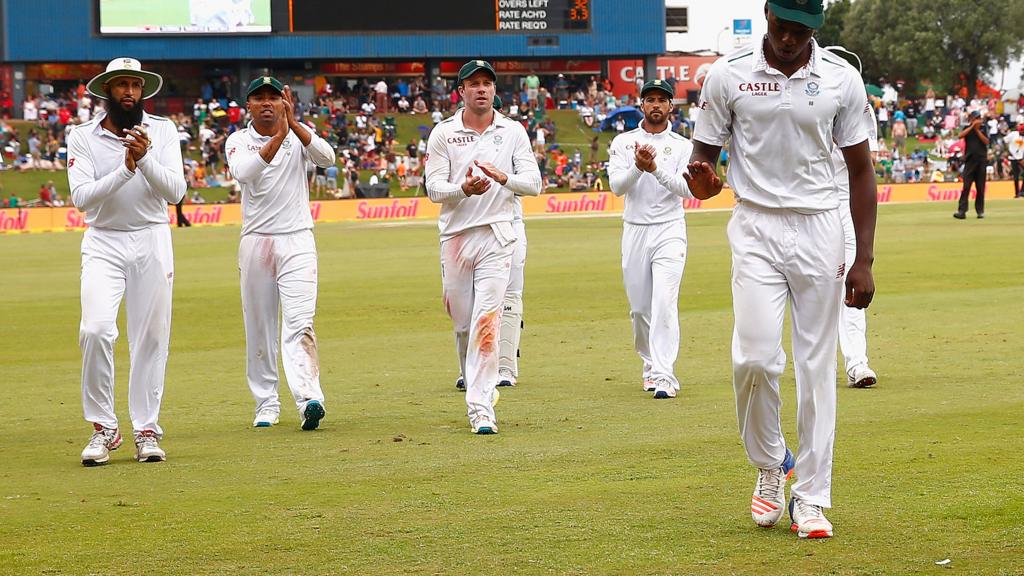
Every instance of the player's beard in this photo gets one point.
(123, 118)
(658, 125)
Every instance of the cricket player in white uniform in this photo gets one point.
(477, 160)
(786, 103)
(277, 255)
(646, 165)
(124, 168)
(853, 342)
(512, 314)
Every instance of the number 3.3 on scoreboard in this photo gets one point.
(542, 15)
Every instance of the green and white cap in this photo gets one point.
(264, 81)
(474, 66)
(666, 86)
(810, 13)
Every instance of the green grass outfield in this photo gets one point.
(588, 476)
(162, 12)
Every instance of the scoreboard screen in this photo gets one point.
(530, 16)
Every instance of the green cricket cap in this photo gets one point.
(810, 13)
(264, 81)
(665, 86)
(474, 66)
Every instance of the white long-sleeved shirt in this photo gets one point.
(112, 196)
(651, 198)
(451, 151)
(275, 196)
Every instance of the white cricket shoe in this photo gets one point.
(663, 389)
(861, 377)
(146, 447)
(484, 425)
(649, 385)
(103, 442)
(505, 377)
(266, 418)
(769, 498)
(808, 520)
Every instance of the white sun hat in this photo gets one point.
(151, 81)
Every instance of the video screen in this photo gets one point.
(184, 17)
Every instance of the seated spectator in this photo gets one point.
(45, 198)
(233, 197)
(196, 198)
(577, 183)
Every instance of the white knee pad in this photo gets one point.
(511, 330)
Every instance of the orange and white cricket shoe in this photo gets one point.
(769, 499)
(808, 520)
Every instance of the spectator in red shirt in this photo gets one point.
(234, 113)
(64, 116)
(45, 198)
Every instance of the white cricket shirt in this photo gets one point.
(275, 196)
(783, 129)
(112, 196)
(451, 151)
(651, 198)
(1015, 144)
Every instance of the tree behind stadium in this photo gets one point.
(949, 43)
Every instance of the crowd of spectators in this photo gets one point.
(918, 137)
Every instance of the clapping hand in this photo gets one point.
(644, 157)
(136, 143)
(492, 172)
(475, 185)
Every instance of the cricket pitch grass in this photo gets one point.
(589, 475)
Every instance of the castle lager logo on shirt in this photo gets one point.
(461, 140)
(759, 88)
(812, 89)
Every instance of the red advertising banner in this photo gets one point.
(373, 68)
(683, 69)
(517, 68)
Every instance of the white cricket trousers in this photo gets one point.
(138, 265)
(778, 256)
(852, 321)
(475, 270)
(279, 279)
(513, 306)
(653, 258)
